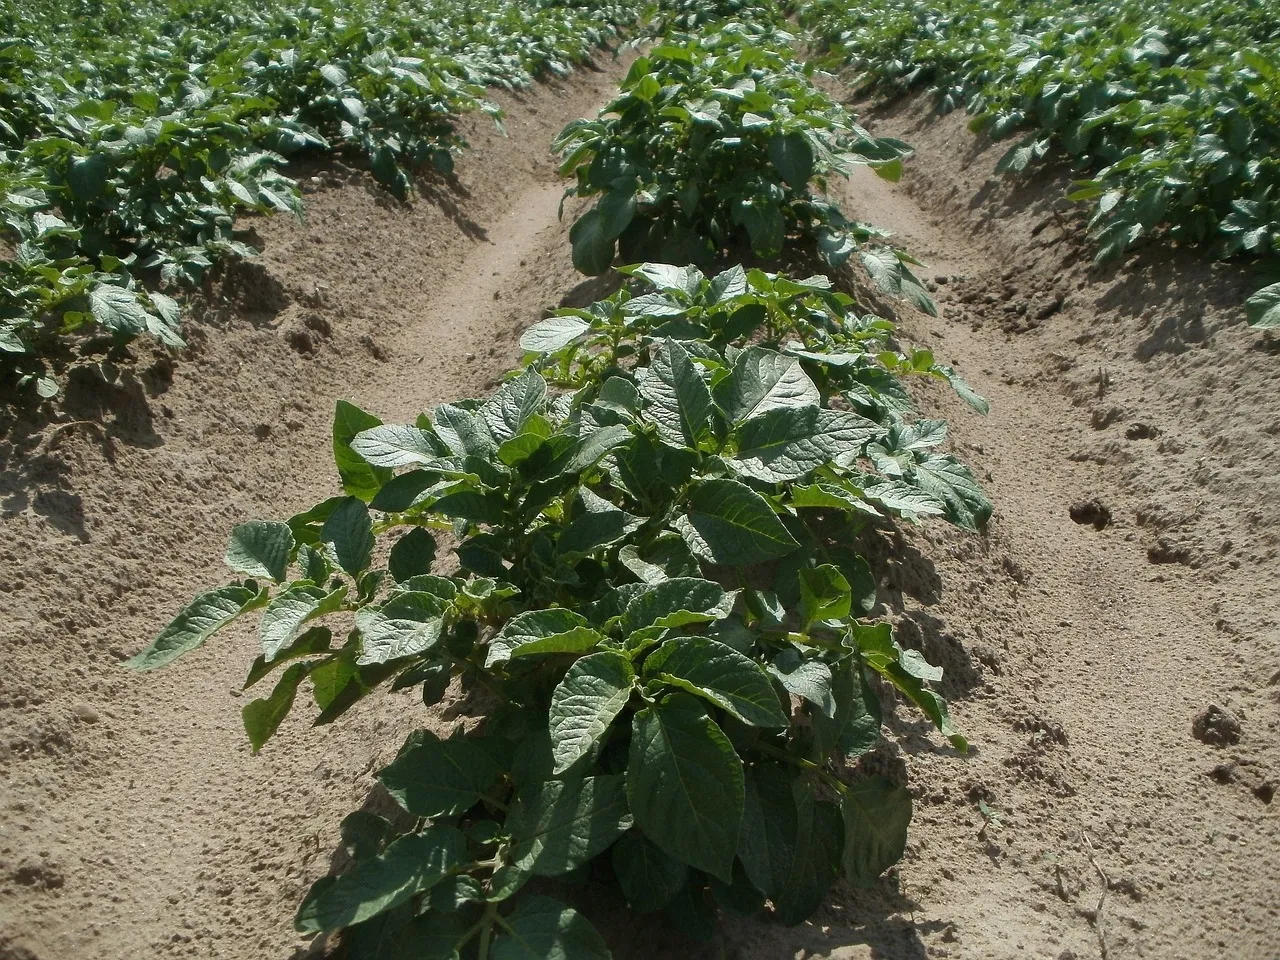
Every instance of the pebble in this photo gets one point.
(85, 713)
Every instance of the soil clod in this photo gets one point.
(1216, 726)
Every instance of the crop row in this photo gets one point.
(1172, 111)
(659, 605)
(135, 134)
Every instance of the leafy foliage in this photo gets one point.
(1173, 109)
(656, 588)
(712, 145)
(132, 135)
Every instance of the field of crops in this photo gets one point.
(687, 490)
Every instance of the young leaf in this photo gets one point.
(824, 594)
(685, 785)
(260, 549)
(876, 815)
(208, 612)
(585, 702)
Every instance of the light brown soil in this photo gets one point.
(137, 824)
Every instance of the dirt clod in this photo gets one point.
(1216, 726)
(1092, 511)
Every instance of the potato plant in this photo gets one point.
(715, 143)
(655, 607)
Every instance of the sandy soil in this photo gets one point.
(1123, 586)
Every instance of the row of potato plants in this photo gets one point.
(133, 135)
(656, 605)
(1171, 112)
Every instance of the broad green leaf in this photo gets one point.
(678, 400)
(788, 443)
(348, 532)
(720, 674)
(792, 156)
(1263, 307)
(824, 594)
(87, 176)
(728, 523)
(599, 524)
(260, 548)
(509, 409)
(585, 702)
(198, 620)
(876, 816)
(592, 245)
(559, 825)
(359, 478)
(441, 778)
(407, 624)
(544, 929)
(317, 640)
(396, 445)
(854, 727)
(553, 334)
(765, 224)
(117, 309)
(409, 866)
(465, 433)
(808, 679)
(677, 602)
(685, 785)
(765, 380)
(555, 630)
(263, 717)
(412, 555)
(289, 610)
(648, 877)
(953, 483)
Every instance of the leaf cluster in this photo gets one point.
(654, 600)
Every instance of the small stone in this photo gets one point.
(1216, 726)
(85, 713)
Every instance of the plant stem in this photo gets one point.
(486, 930)
(822, 773)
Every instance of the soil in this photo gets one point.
(1110, 642)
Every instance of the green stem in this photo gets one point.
(486, 930)
(828, 778)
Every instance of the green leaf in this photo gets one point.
(792, 156)
(585, 702)
(599, 524)
(348, 532)
(648, 877)
(87, 176)
(677, 602)
(788, 443)
(207, 613)
(953, 483)
(553, 334)
(825, 594)
(1263, 308)
(729, 523)
(440, 778)
(854, 728)
(765, 224)
(808, 679)
(791, 842)
(509, 409)
(616, 209)
(392, 445)
(559, 825)
(876, 815)
(677, 397)
(466, 434)
(765, 380)
(117, 309)
(409, 866)
(260, 548)
(720, 674)
(263, 717)
(555, 630)
(592, 245)
(315, 641)
(544, 929)
(407, 624)
(289, 610)
(359, 479)
(685, 785)
(412, 555)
